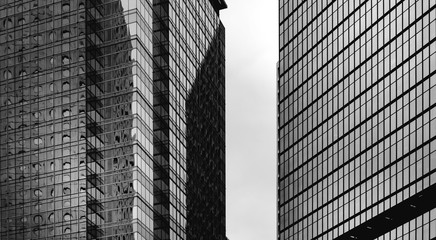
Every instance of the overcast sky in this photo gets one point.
(251, 56)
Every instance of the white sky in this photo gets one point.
(251, 56)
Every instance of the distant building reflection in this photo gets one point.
(94, 103)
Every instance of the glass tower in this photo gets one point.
(357, 119)
(104, 132)
(189, 140)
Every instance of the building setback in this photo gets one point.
(112, 120)
(357, 119)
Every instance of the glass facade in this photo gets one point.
(357, 119)
(94, 98)
(189, 120)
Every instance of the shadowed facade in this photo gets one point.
(181, 47)
(205, 141)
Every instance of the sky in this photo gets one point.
(251, 57)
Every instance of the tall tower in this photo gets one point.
(91, 95)
(357, 119)
(76, 127)
(189, 139)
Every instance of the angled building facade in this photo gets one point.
(357, 120)
(189, 120)
(97, 105)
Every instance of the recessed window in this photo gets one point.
(51, 37)
(37, 192)
(9, 50)
(65, 60)
(36, 114)
(38, 141)
(67, 165)
(8, 102)
(67, 190)
(7, 23)
(36, 167)
(65, 34)
(51, 113)
(66, 112)
(65, 7)
(51, 218)
(8, 127)
(7, 74)
(37, 219)
(66, 86)
(67, 217)
(66, 138)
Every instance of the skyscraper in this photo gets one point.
(112, 120)
(189, 141)
(357, 119)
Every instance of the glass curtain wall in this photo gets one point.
(356, 119)
(184, 32)
(76, 109)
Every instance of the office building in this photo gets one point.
(189, 140)
(96, 104)
(357, 119)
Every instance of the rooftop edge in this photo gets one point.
(218, 5)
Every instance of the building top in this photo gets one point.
(218, 5)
